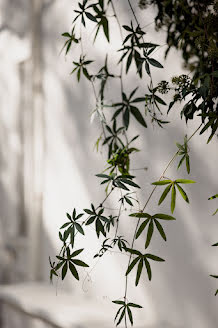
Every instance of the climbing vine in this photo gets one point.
(146, 107)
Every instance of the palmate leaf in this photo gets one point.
(172, 186)
(152, 219)
(143, 259)
(125, 310)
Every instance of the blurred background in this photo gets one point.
(48, 166)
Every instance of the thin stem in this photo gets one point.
(136, 19)
(146, 203)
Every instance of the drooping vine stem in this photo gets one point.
(146, 203)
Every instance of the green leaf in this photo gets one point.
(184, 181)
(148, 268)
(130, 315)
(140, 215)
(187, 163)
(181, 161)
(154, 257)
(66, 34)
(79, 228)
(88, 211)
(173, 198)
(119, 302)
(91, 220)
(80, 263)
(159, 100)
(73, 270)
(75, 253)
(65, 225)
(118, 312)
(141, 228)
(138, 116)
(139, 271)
(183, 193)
(103, 176)
(163, 216)
(121, 317)
(121, 185)
(131, 266)
(154, 62)
(162, 182)
(161, 230)
(133, 251)
(215, 212)
(215, 244)
(91, 17)
(149, 233)
(164, 194)
(64, 271)
(126, 118)
(212, 197)
(135, 305)
(129, 182)
(59, 265)
(105, 27)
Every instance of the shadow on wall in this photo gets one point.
(182, 285)
(180, 289)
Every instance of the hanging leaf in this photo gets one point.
(173, 198)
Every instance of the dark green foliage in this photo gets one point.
(120, 181)
(67, 261)
(199, 96)
(98, 218)
(127, 107)
(142, 260)
(151, 222)
(172, 185)
(125, 311)
(183, 152)
(81, 67)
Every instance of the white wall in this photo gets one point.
(180, 294)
